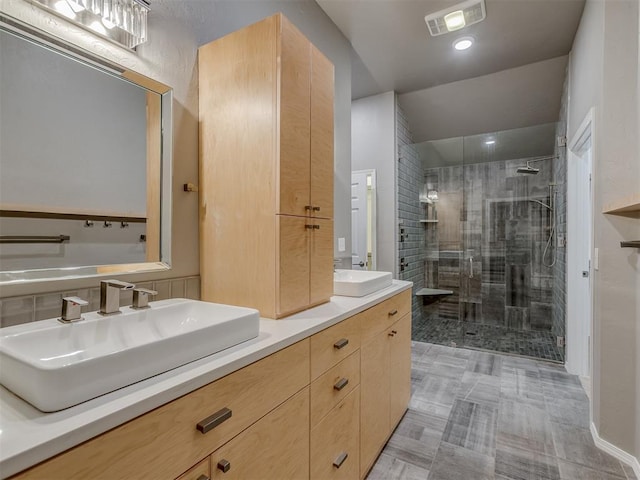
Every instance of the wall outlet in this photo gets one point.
(342, 244)
(560, 342)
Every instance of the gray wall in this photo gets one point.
(176, 29)
(373, 146)
(518, 97)
(559, 292)
(604, 74)
(70, 133)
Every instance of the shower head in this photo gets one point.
(528, 169)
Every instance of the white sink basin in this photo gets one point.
(54, 366)
(358, 283)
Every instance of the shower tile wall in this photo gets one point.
(488, 244)
(411, 245)
(558, 327)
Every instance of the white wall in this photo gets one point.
(373, 145)
(604, 74)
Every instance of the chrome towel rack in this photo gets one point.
(34, 238)
(630, 244)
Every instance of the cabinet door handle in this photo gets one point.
(343, 342)
(223, 465)
(393, 312)
(340, 384)
(394, 331)
(391, 334)
(316, 209)
(308, 207)
(203, 477)
(316, 227)
(214, 420)
(309, 227)
(340, 460)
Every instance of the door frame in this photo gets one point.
(578, 361)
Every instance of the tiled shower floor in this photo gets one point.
(528, 343)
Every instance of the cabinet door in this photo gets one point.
(322, 85)
(374, 399)
(293, 261)
(275, 447)
(400, 368)
(295, 104)
(335, 442)
(199, 472)
(321, 261)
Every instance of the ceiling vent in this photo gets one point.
(440, 22)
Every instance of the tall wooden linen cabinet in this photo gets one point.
(266, 170)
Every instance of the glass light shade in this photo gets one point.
(125, 20)
(432, 195)
(454, 20)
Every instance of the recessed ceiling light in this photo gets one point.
(463, 43)
(454, 20)
(490, 142)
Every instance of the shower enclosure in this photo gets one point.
(489, 212)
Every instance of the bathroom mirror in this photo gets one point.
(85, 169)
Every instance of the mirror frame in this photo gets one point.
(45, 40)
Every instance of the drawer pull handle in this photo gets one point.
(343, 342)
(214, 420)
(203, 477)
(393, 312)
(224, 465)
(340, 460)
(341, 384)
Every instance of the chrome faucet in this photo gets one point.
(110, 295)
(141, 297)
(71, 309)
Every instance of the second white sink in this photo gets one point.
(358, 283)
(54, 366)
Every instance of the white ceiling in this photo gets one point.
(393, 50)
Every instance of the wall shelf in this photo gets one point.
(629, 204)
(428, 221)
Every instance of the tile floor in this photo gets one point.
(530, 343)
(475, 415)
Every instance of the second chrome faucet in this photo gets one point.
(110, 295)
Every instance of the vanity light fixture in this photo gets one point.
(463, 43)
(122, 21)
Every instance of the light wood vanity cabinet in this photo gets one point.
(385, 376)
(274, 448)
(322, 408)
(202, 471)
(266, 170)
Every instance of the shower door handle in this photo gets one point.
(470, 267)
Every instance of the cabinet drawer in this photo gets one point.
(199, 472)
(276, 447)
(333, 344)
(336, 435)
(380, 317)
(165, 442)
(331, 387)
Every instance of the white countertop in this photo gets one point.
(29, 436)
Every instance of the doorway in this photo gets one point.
(363, 219)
